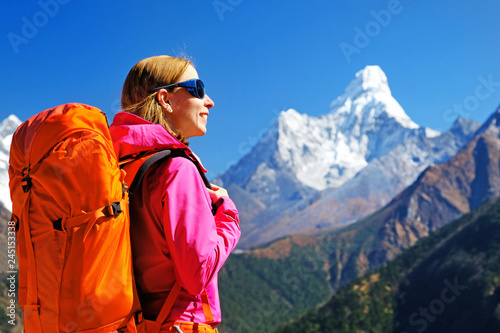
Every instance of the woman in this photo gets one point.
(175, 236)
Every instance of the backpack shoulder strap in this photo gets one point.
(139, 175)
(151, 160)
(144, 168)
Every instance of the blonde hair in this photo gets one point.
(138, 96)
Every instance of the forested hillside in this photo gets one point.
(447, 282)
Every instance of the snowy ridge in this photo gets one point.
(317, 153)
(370, 189)
(7, 128)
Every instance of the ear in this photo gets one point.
(163, 98)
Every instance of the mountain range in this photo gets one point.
(311, 174)
(301, 271)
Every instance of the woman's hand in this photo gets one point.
(216, 192)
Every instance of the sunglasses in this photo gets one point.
(194, 86)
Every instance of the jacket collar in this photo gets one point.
(133, 135)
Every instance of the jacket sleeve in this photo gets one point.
(199, 242)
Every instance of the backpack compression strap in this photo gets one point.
(28, 290)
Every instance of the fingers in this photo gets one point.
(213, 195)
(216, 192)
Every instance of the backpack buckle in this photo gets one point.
(124, 189)
(26, 181)
(114, 209)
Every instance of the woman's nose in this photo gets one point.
(208, 102)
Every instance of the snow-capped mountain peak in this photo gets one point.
(371, 78)
(10, 124)
(430, 133)
(7, 128)
(364, 123)
(368, 97)
(292, 118)
(492, 125)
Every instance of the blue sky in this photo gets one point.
(256, 57)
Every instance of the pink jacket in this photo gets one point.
(174, 234)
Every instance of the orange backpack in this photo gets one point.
(70, 205)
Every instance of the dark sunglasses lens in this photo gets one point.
(200, 89)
